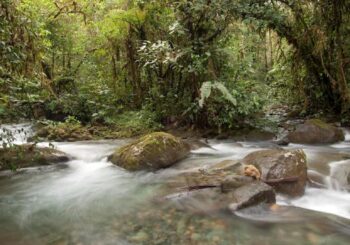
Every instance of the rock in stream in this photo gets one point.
(285, 170)
(315, 131)
(151, 152)
(22, 156)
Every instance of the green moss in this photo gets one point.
(20, 156)
(76, 132)
(151, 151)
(319, 123)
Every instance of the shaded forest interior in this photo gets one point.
(208, 63)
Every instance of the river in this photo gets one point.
(90, 201)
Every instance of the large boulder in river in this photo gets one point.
(151, 152)
(315, 131)
(22, 156)
(285, 170)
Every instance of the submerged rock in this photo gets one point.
(316, 179)
(22, 156)
(151, 152)
(316, 131)
(285, 170)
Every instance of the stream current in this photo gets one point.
(90, 201)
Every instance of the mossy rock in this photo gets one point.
(316, 131)
(63, 132)
(23, 156)
(151, 152)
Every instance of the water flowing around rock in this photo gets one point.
(92, 201)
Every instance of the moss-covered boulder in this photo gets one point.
(22, 156)
(151, 152)
(63, 132)
(285, 170)
(315, 131)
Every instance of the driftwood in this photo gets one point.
(282, 180)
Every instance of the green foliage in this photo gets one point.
(227, 109)
(137, 122)
(103, 61)
(207, 87)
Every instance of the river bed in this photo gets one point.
(90, 201)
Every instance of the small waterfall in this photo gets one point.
(19, 133)
(347, 134)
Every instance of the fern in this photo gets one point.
(207, 87)
(227, 95)
(205, 92)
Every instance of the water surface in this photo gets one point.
(90, 201)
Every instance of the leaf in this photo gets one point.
(227, 95)
(207, 88)
(205, 92)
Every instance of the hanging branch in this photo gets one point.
(69, 8)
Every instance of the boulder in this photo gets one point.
(222, 186)
(22, 156)
(340, 175)
(252, 194)
(315, 131)
(212, 199)
(285, 170)
(253, 135)
(151, 152)
(234, 181)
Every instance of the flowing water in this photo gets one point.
(90, 201)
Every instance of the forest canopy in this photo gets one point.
(209, 63)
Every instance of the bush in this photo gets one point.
(224, 108)
(137, 122)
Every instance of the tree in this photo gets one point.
(318, 32)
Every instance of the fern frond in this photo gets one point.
(207, 88)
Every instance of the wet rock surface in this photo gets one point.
(315, 131)
(213, 199)
(285, 170)
(316, 179)
(252, 194)
(113, 206)
(339, 177)
(221, 187)
(151, 152)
